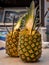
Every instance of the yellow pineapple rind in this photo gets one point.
(30, 45)
(12, 43)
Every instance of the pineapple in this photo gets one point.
(12, 42)
(13, 37)
(30, 47)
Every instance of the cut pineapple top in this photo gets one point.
(30, 18)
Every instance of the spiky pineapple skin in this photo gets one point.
(12, 43)
(30, 47)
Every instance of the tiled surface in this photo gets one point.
(6, 60)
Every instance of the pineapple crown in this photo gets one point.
(31, 8)
(31, 13)
(19, 23)
(29, 17)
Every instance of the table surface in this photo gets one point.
(6, 60)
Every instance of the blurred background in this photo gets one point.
(10, 8)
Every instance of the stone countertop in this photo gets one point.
(6, 60)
